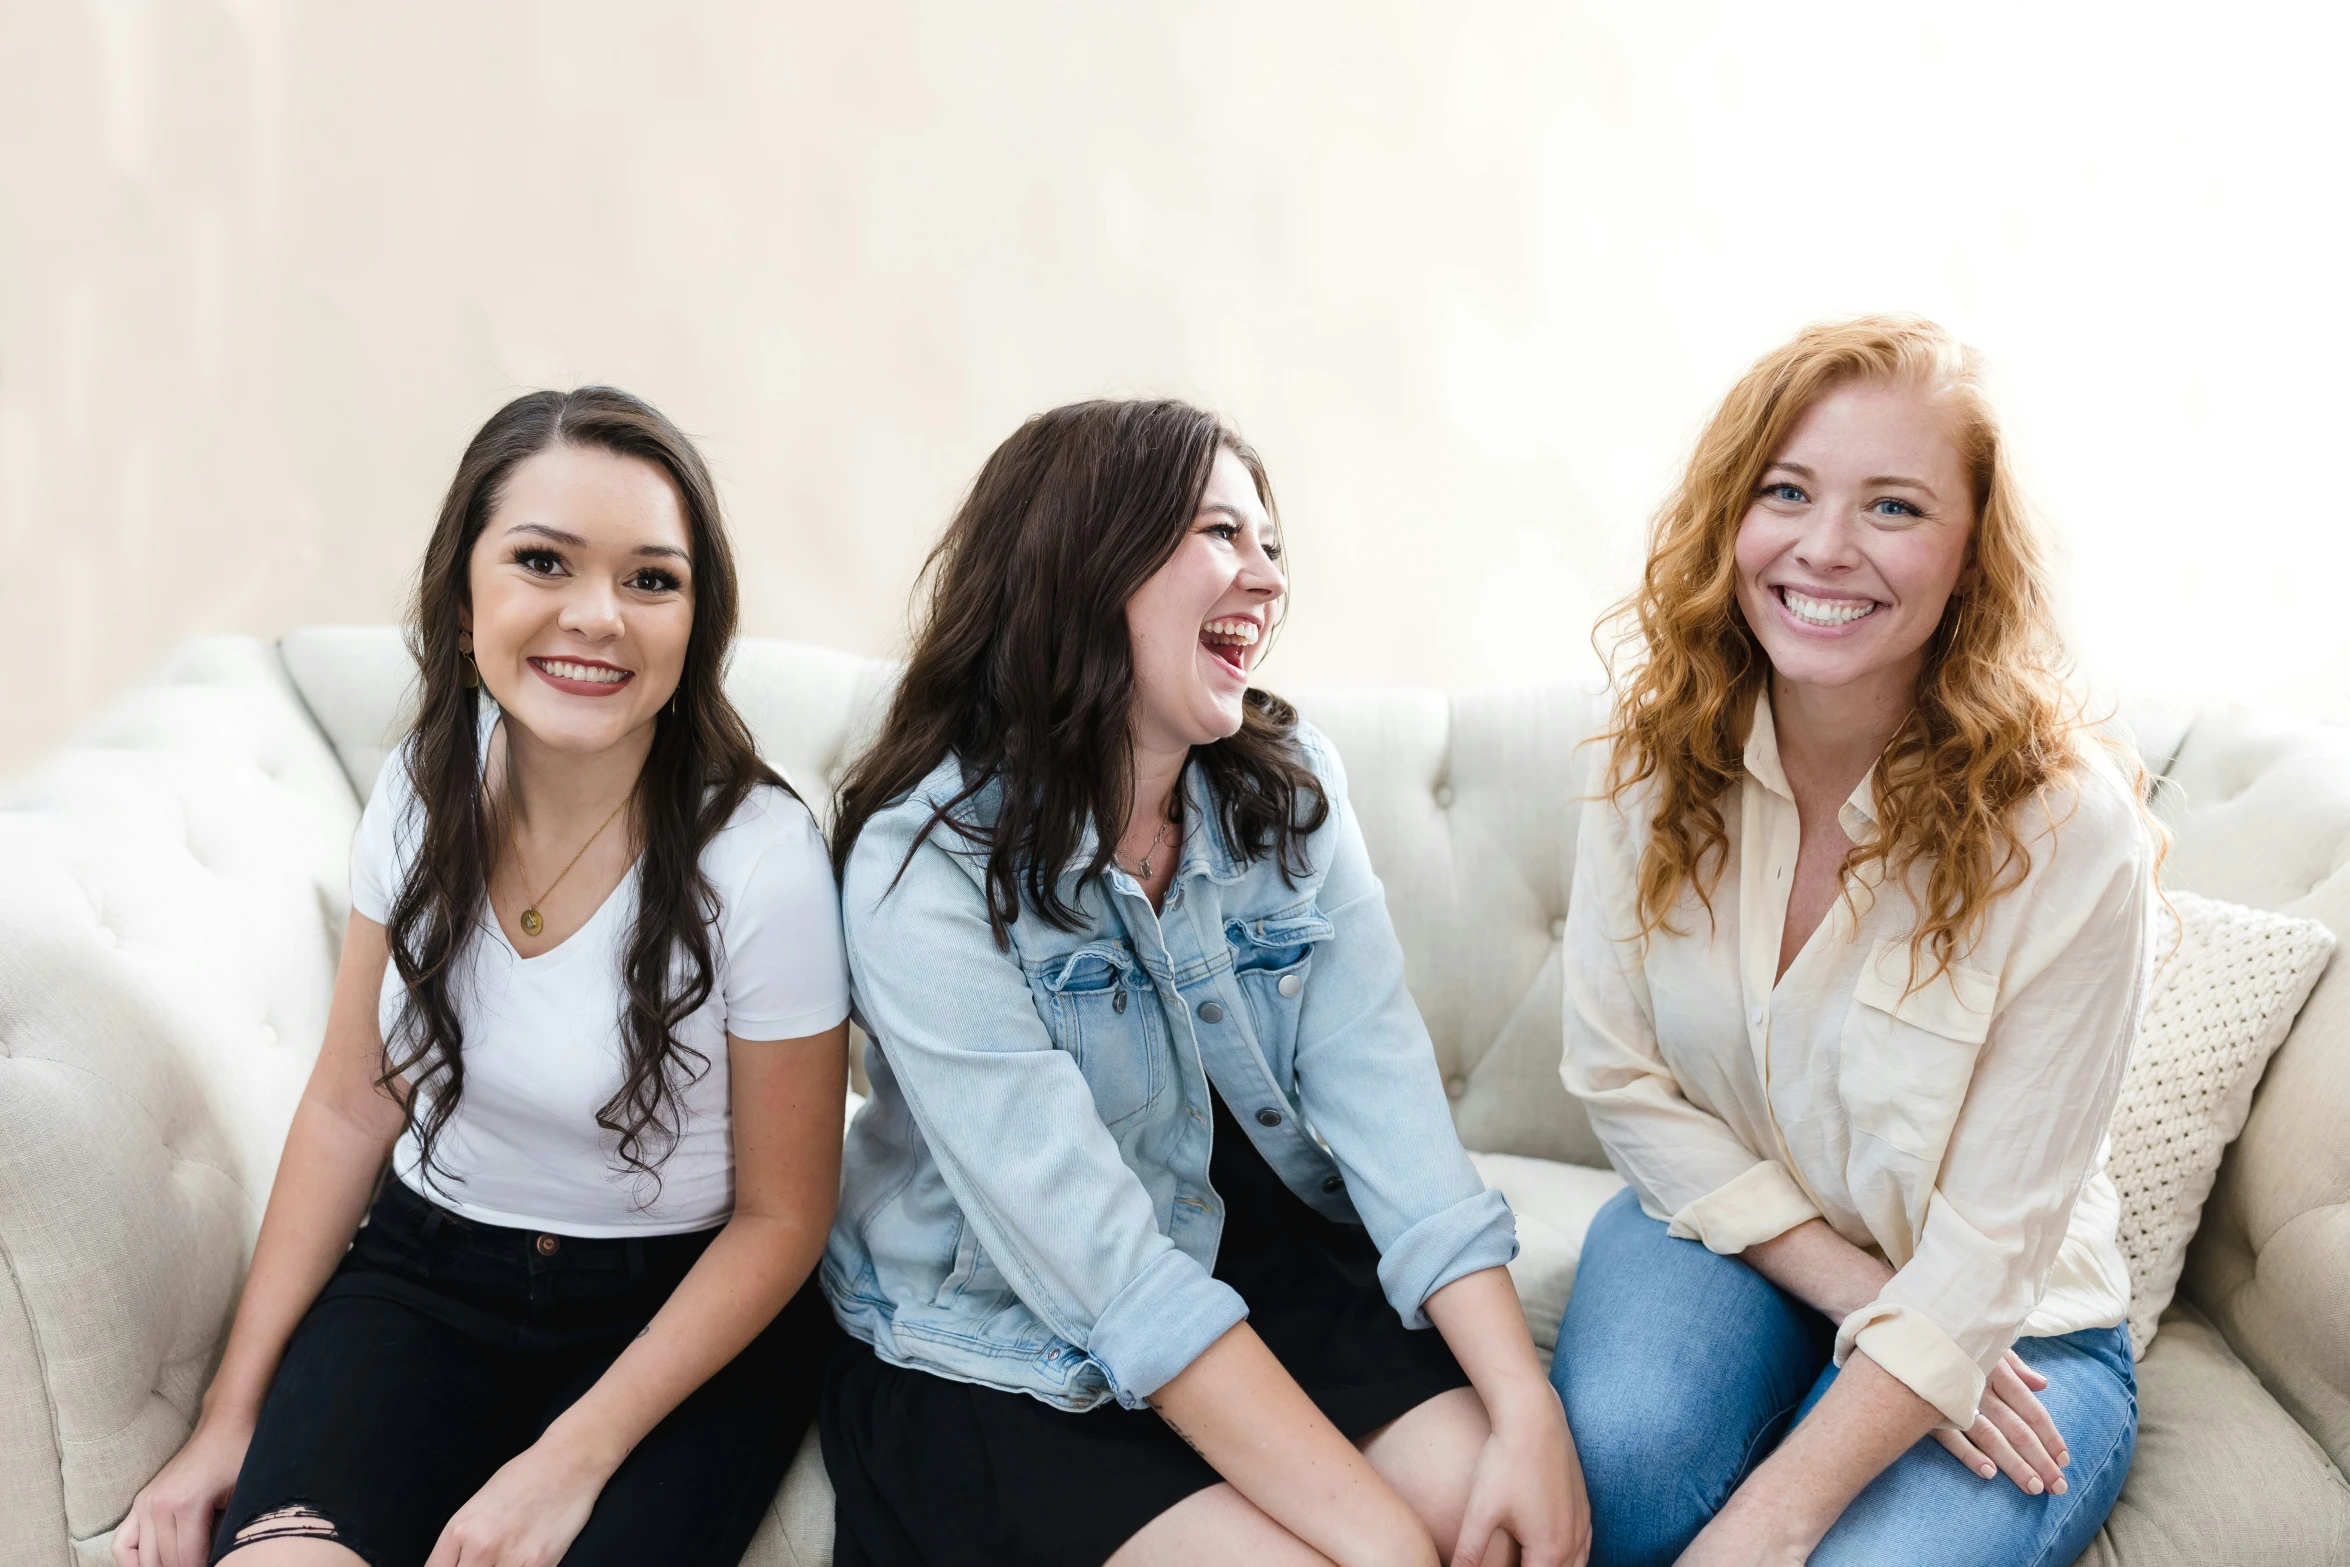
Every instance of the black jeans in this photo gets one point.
(441, 1348)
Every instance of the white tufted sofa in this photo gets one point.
(172, 886)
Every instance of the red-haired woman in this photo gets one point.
(1855, 953)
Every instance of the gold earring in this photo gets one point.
(472, 672)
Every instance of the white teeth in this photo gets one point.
(1242, 632)
(1825, 612)
(564, 669)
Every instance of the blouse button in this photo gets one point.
(1118, 1002)
(1268, 1118)
(1755, 1017)
(1210, 1012)
(548, 1245)
(1290, 985)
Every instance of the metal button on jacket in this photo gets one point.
(1268, 1118)
(1290, 985)
(1210, 1012)
(1118, 1002)
(1331, 1183)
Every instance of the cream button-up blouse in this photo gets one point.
(1957, 1129)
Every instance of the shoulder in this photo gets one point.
(772, 831)
(900, 837)
(2089, 811)
(1314, 750)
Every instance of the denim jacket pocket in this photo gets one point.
(1271, 958)
(1909, 1050)
(1099, 1008)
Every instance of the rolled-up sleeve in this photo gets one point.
(1011, 1123)
(2037, 1110)
(1688, 1165)
(1367, 1078)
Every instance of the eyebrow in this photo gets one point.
(542, 530)
(1874, 482)
(1233, 512)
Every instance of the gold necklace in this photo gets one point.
(1143, 872)
(532, 920)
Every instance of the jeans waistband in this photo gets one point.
(401, 1208)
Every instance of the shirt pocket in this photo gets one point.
(1098, 1007)
(1909, 1052)
(1271, 958)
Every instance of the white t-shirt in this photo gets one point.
(542, 1042)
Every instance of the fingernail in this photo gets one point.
(2064, 1458)
(2033, 1485)
(1988, 1470)
(2058, 1488)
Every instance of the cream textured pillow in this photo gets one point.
(2221, 1003)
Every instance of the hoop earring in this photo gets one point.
(472, 672)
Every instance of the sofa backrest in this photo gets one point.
(1467, 803)
(2261, 807)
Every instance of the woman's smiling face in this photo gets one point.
(1198, 626)
(582, 596)
(1856, 537)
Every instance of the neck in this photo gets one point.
(1156, 773)
(564, 791)
(1830, 736)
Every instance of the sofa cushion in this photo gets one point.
(2223, 1477)
(2228, 983)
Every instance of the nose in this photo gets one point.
(1830, 542)
(592, 610)
(1260, 574)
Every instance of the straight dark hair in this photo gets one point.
(701, 767)
(1022, 669)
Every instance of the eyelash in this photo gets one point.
(1772, 492)
(646, 579)
(1231, 530)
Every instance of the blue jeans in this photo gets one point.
(1681, 1370)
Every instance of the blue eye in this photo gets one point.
(1782, 491)
(1899, 508)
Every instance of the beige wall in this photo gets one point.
(1468, 274)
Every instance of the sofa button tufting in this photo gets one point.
(1210, 1012)
(268, 1035)
(1558, 930)
(1268, 1118)
(1444, 796)
(1454, 1087)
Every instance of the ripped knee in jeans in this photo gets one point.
(295, 1521)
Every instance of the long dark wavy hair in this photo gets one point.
(1022, 669)
(701, 768)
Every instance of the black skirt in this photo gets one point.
(928, 1471)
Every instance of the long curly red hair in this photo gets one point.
(1995, 722)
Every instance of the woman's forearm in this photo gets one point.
(1821, 1268)
(324, 1179)
(1867, 1419)
(1250, 1420)
(1485, 1328)
(750, 1271)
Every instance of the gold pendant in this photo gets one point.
(532, 922)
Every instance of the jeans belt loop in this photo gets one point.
(636, 1257)
(430, 1230)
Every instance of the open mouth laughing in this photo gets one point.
(1231, 639)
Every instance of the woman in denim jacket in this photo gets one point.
(1157, 1179)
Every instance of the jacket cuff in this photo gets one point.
(1163, 1320)
(1762, 1204)
(1472, 1235)
(1926, 1360)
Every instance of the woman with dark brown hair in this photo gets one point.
(592, 1009)
(1157, 1196)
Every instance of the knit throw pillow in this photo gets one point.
(2229, 982)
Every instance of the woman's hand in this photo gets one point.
(170, 1521)
(1528, 1486)
(529, 1512)
(2012, 1433)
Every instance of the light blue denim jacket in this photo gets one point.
(1025, 1200)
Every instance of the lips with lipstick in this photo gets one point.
(1229, 638)
(1826, 613)
(582, 676)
